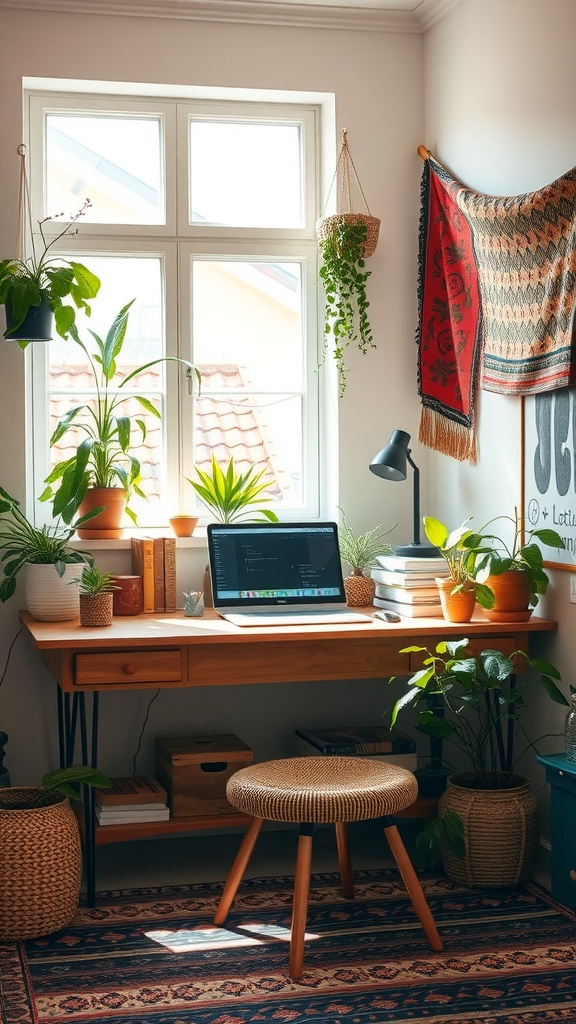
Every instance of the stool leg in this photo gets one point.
(237, 870)
(412, 884)
(345, 865)
(300, 902)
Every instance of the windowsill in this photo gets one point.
(197, 540)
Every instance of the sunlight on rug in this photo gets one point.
(152, 956)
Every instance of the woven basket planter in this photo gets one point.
(501, 832)
(40, 863)
(326, 227)
(96, 609)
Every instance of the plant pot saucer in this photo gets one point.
(86, 534)
(508, 616)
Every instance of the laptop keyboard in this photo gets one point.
(294, 618)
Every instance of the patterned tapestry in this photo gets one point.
(496, 300)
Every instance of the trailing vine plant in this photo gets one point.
(344, 277)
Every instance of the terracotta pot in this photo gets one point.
(127, 599)
(511, 597)
(183, 526)
(458, 607)
(106, 525)
(501, 832)
(96, 609)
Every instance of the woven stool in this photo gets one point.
(314, 790)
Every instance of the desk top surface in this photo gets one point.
(164, 630)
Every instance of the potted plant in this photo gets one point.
(41, 858)
(360, 552)
(514, 569)
(183, 525)
(102, 474)
(231, 495)
(96, 596)
(344, 277)
(487, 825)
(50, 563)
(38, 285)
(459, 590)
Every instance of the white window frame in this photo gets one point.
(175, 242)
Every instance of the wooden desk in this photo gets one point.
(151, 651)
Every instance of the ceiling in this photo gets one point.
(368, 15)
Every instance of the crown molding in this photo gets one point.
(256, 12)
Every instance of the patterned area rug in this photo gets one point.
(151, 956)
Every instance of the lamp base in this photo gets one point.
(417, 551)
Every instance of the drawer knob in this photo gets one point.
(129, 670)
(573, 875)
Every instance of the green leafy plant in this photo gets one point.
(344, 278)
(25, 283)
(230, 495)
(361, 550)
(62, 781)
(475, 703)
(102, 458)
(94, 582)
(21, 542)
(459, 557)
(493, 555)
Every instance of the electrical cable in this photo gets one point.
(150, 703)
(9, 654)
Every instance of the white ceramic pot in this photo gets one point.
(50, 597)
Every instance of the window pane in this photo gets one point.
(71, 381)
(247, 315)
(245, 175)
(116, 162)
(263, 430)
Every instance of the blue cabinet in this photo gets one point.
(561, 775)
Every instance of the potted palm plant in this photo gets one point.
(360, 551)
(41, 853)
(487, 825)
(229, 495)
(48, 559)
(33, 290)
(459, 590)
(102, 474)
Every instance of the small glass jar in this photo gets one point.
(570, 730)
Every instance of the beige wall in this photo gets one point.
(500, 80)
(376, 79)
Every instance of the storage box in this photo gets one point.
(195, 770)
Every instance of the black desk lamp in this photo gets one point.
(390, 464)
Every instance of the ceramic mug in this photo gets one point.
(128, 597)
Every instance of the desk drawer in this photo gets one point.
(130, 666)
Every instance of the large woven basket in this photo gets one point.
(501, 832)
(40, 863)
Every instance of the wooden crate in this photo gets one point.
(195, 770)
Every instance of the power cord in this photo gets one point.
(2, 677)
(145, 722)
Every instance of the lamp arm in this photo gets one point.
(416, 500)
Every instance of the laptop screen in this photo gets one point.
(275, 565)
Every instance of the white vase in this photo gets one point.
(50, 597)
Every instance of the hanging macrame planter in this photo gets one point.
(327, 226)
(345, 240)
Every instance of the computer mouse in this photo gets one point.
(387, 616)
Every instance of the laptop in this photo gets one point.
(271, 574)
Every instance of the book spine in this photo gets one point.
(148, 574)
(169, 574)
(425, 595)
(411, 611)
(137, 560)
(158, 548)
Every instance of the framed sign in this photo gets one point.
(548, 432)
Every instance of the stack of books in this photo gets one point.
(131, 799)
(362, 741)
(408, 585)
(154, 559)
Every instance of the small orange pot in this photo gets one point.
(183, 526)
(458, 607)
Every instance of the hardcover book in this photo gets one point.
(158, 548)
(415, 595)
(410, 611)
(143, 565)
(404, 563)
(132, 789)
(407, 580)
(169, 574)
(358, 740)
